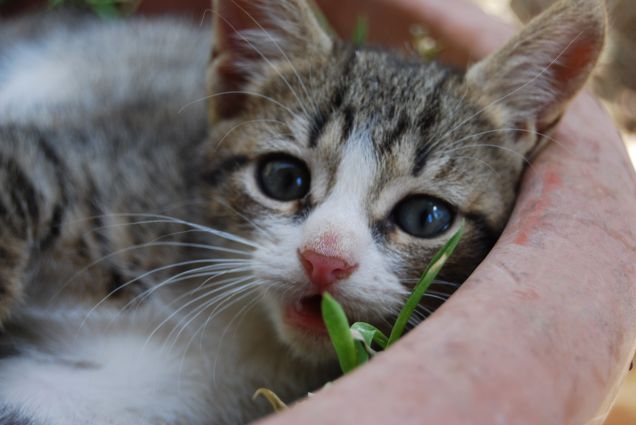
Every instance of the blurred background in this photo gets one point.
(614, 83)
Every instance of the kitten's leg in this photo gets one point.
(31, 208)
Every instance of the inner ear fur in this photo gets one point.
(252, 37)
(529, 82)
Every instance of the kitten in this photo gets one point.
(324, 167)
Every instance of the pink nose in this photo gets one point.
(324, 271)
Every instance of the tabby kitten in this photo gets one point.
(325, 167)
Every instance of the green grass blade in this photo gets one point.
(339, 332)
(420, 289)
(361, 31)
(362, 352)
(369, 334)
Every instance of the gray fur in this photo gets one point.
(9, 416)
(99, 151)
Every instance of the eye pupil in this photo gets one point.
(283, 177)
(423, 216)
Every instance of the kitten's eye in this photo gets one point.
(283, 177)
(423, 216)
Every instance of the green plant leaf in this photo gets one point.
(368, 334)
(362, 354)
(361, 31)
(339, 332)
(422, 286)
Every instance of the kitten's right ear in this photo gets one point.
(528, 83)
(251, 39)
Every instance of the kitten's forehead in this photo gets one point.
(410, 113)
(410, 109)
(357, 89)
(385, 94)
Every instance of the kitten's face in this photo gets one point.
(352, 180)
(348, 169)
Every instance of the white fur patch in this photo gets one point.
(338, 227)
(30, 82)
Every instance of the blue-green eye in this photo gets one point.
(283, 177)
(423, 216)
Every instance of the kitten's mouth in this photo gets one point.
(306, 314)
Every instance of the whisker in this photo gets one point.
(243, 310)
(416, 319)
(242, 35)
(208, 272)
(218, 300)
(246, 219)
(435, 282)
(218, 285)
(148, 273)
(282, 52)
(231, 130)
(189, 303)
(427, 310)
(507, 130)
(436, 295)
(148, 292)
(248, 93)
(167, 219)
(486, 145)
(203, 327)
(496, 101)
(155, 243)
(158, 240)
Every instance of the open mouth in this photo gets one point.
(306, 314)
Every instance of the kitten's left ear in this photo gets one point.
(529, 82)
(251, 39)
